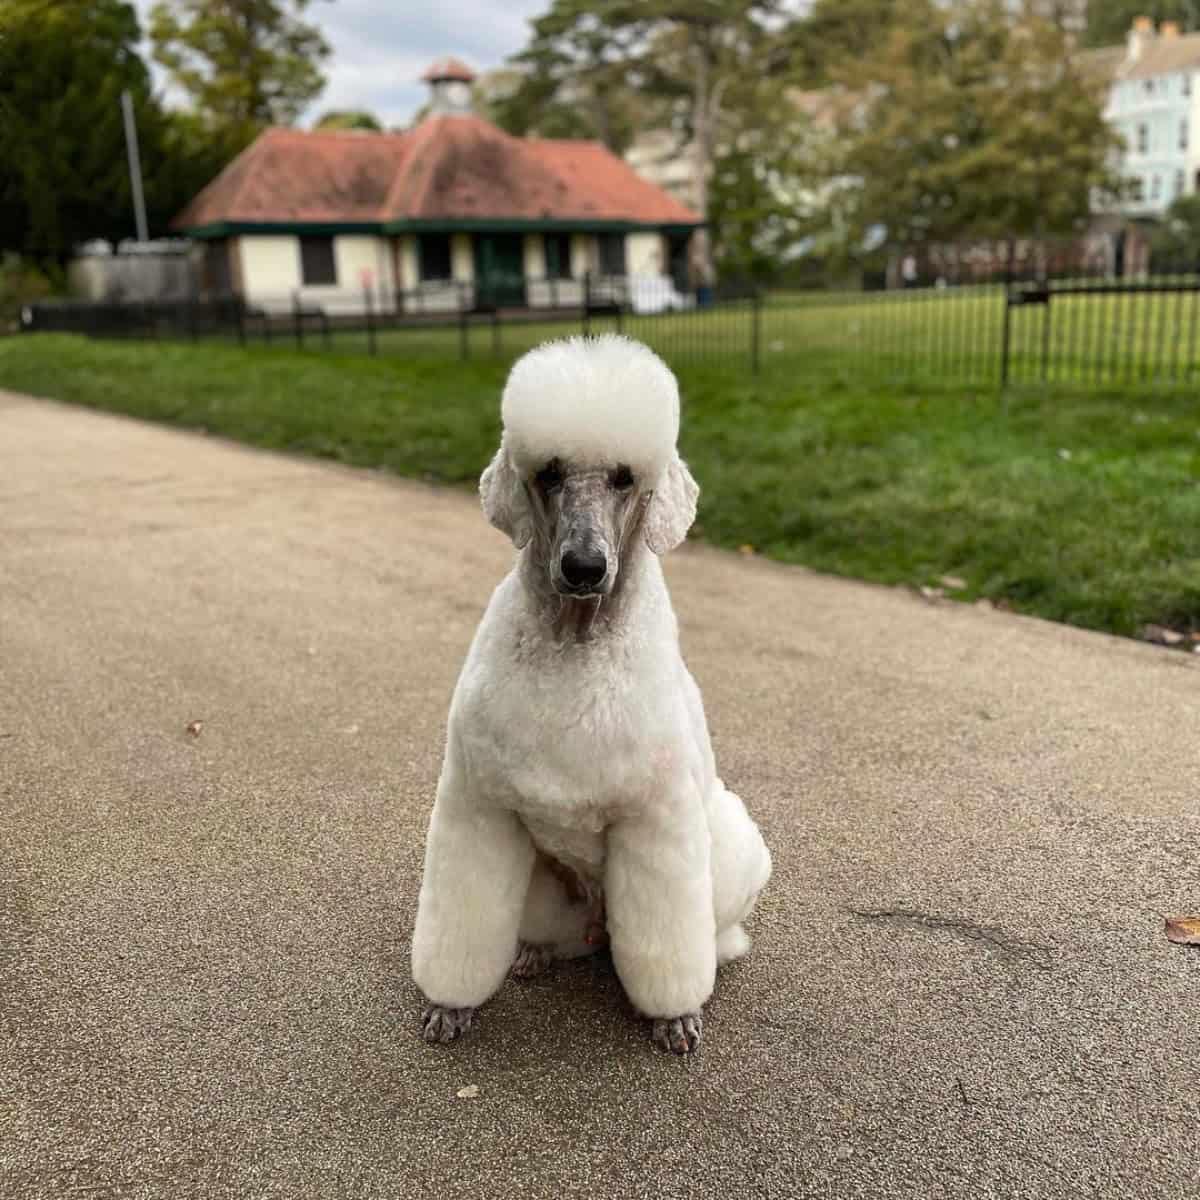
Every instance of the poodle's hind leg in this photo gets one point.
(559, 919)
(741, 866)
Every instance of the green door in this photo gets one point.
(500, 270)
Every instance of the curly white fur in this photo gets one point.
(585, 756)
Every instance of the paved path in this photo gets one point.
(959, 985)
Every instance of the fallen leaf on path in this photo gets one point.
(931, 593)
(469, 1092)
(1185, 931)
(1161, 635)
(194, 727)
(954, 582)
(746, 549)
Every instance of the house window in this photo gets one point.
(1179, 181)
(612, 253)
(1155, 187)
(1186, 85)
(434, 252)
(1143, 139)
(317, 264)
(1183, 134)
(1137, 189)
(558, 255)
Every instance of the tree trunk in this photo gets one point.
(702, 131)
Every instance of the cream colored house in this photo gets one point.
(453, 214)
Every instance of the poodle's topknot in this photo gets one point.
(592, 401)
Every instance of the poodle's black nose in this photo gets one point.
(583, 569)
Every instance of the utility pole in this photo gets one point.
(135, 167)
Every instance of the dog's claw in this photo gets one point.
(531, 961)
(678, 1035)
(441, 1025)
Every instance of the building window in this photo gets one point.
(1143, 139)
(1137, 189)
(1183, 134)
(1186, 85)
(317, 264)
(558, 255)
(434, 253)
(612, 253)
(1155, 186)
(1179, 181)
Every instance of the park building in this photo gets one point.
(453, 214)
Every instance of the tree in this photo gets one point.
(589, 60)
(63, 66)
(348, 119)
(831, 31)
(244, 63)
(970, 120)
(1175, 244)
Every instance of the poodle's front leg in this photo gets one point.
(478, 861)
(660, 918)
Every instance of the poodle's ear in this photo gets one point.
(672, 508)
(504, 501)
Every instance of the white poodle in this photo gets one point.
(579, 802)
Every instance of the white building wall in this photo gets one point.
(584, 255)
(644, 254)
(270, 266)
(462, 258)
(363, 261)
(535, 256)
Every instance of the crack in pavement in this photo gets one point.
(1034, 953)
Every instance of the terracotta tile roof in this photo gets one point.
(288, 175)
(1159, 56)
(448, 168)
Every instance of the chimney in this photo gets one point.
(1169, 29)
(1140, 35)
(449, 87)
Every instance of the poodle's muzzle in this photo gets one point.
(586, 519)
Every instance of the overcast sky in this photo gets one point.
(381, 47)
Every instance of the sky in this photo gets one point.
(381, 47)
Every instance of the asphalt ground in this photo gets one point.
(959, 985)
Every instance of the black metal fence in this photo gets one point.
(440, 318)
(1029, 319)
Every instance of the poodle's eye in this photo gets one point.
(550, 477)
(621, 478)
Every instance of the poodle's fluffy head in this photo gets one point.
(592, 402)
(588, 459)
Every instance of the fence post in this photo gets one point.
(755, 331)
(370, 310)
(1007, 334)
(239, 315)
(464, 348)
(297, 324)
(587, 303)
(496, 331)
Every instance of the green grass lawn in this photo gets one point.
(1077, 504)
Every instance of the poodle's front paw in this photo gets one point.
(531, 960)
(679, 1035)
(445, 1024)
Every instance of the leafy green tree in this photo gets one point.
(970, 120)
(616, 65)
(63, 66)
(1109, 21)
(244, 63)
(833, 30)
(1175, 245)
(348, 119)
